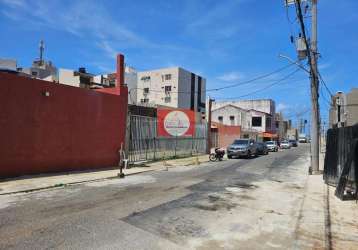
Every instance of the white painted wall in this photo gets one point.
(66, 77)
(263, 105)
(180, 83)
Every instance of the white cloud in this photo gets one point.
(85, 19)
(231, 76)
(282, 107)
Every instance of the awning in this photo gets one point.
(268, 135)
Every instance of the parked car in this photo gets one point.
(262, 148)
(272, 146)
(242, 147)
(293, 143)
(285, 145)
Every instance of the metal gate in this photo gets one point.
(144, 144)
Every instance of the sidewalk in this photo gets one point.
(326, 222)
(38, 182)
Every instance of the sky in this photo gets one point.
(226, 42)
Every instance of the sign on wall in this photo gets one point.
(176, 122)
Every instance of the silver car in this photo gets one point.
(285, 145)
(272, 146)
(242, 147)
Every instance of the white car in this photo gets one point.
(285, 145)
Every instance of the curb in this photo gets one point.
(61, 185)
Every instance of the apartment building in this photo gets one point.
(172, 87)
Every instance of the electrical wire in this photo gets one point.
(262, 89)
(324, 83)
(228, 86)
(253, 79)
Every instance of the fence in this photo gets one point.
(144, 144)
(341, 159)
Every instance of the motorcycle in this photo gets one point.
(218, 155)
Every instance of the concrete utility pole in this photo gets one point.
(209, 143)
(312, 59)
(314, 93)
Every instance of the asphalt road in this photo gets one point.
(234, 204)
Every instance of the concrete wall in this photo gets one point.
(352, 107)
(70, 129)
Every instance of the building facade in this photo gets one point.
(254, 123)
(344, 109)
(266, 106)
(171, 87)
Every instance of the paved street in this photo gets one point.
(234, 204)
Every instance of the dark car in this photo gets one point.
(242, 147)
(293, 143)
(262, 148)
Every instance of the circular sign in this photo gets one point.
(176, 123)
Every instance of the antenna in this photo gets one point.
(42, 48)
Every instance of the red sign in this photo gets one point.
(179, 122)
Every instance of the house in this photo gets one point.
(254, 116)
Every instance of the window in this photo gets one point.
(221, 119)
(145, 100)
(146, 90)
(256, 121)
(168, 88)
(145, 78)
(232, 120)
(268, 122)
(166, 77)
(34, 73)
(167, 99)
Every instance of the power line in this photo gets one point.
(253, 79)
(228, 86)
(324, 83)
(262, 89)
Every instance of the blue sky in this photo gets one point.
(225, 41)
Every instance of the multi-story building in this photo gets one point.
(76, 78)
(8, 64)
(344, 109)
(172, 87)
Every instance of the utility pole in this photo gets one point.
(312, 60)
(314, 93)
(209, 143)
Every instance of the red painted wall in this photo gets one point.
(71, 129)
(227, 134)
(161, 123)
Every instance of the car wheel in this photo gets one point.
(229, 156)
(249, 154)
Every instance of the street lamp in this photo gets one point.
(295, 62)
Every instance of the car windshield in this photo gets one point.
(269, 143)
(292, 140)
(241, 142)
